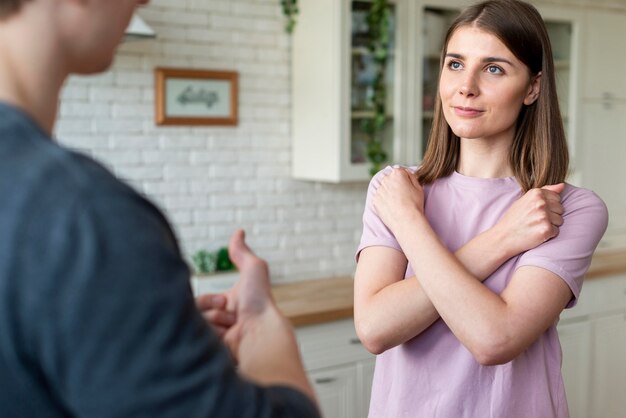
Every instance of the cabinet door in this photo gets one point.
(602, 153)
(365, 374)
(605, 55)
(576, 343)
(609, 367)
(336, 391)
(435, 23)
(332, 74)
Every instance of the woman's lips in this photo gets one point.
(467, 111)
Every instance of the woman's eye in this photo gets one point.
(492, 69)
(454, 65)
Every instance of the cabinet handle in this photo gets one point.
(356, 341)
(325, 380)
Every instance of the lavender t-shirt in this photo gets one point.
(434, 375)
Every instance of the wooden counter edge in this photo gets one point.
(607, 263)
(315, 301)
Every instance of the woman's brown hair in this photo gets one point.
(539, 153)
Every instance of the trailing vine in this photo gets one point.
(290, 10)
(378, 29)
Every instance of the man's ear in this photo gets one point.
(533, 90)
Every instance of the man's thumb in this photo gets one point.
(237, 248)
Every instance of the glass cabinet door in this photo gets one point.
(333, 73)
(363, 70)
(561, 38)
(436, 23)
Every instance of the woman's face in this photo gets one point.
(483, 86)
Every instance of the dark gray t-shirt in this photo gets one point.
(97, 318)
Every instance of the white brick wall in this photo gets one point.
(211, 180)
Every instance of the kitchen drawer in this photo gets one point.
(330, 344)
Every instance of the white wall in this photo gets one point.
(209, 180)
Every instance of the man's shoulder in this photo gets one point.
(36, 163)
(54, 184)
(69, 175)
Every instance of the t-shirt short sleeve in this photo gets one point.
(375, 232)
(568, 255)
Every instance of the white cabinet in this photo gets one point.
(365, 375)
(593, 339)
(329, 64)
(340, 369)
(605, 55)
(576, 345)
(602, 156)
(603, 111)
(336, 390)
(609, 366)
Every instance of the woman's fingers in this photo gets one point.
(556, 219)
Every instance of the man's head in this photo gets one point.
(84, 33)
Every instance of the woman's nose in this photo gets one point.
(468, 86)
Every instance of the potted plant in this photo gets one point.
(214, 272)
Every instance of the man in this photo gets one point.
(97, 318)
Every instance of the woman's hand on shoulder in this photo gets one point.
(533, 219)
(398, 197)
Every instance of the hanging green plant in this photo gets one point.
(378, 18)
(290, 10)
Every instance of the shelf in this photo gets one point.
(364, 114)
(363, 50)
(360, 50)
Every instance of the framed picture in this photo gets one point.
(195, 97)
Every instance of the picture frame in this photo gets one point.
(196, 97)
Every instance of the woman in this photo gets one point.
(490, 242)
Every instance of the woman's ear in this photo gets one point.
(533, 90)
